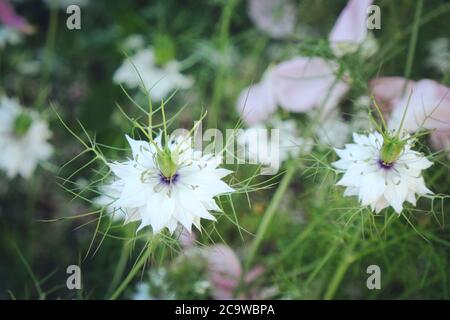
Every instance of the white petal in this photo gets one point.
(395, 194)
(372, 187)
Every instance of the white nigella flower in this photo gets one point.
(165, 185)
(161, 80)
(108, 195)
(382, 170)
(23, 139)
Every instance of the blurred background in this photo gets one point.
(220, 48)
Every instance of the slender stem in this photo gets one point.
(346, 261)
(48, 56)
(291, 169)
(413, 42)
(138, 265)
(120, 267)
(270, 212)
(50, 41)
(220, 77)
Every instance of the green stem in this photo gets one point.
(120, 266)
(50, 41)
(413, 42)
(137, 266)
(220, 77)
(270, 212)
(275, 202)
(48, 56)
(346, 261)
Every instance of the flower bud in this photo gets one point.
(391, 149)
(21, 124)
(167, 163)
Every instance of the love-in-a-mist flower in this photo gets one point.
(108, 195)
(23, 139)
(161, 79)
(382, 170)
(164, 184)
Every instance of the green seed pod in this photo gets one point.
(167, 162)
(391, 149)
(21, 124)
(164, 49)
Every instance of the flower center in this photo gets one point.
(164, 49)
(385, 165)
(391, 150)
(22, 124)
(167, 163)
(168, 180)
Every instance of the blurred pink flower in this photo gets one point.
(428, 104)
(276, 17)
(388, 90)
(257, 102)
(225, 272)
(187, 239)
(297, 85)
(10, 18)
(305, 83)
(428, 107)
(440, 140)
(350, 29)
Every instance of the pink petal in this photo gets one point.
(222, 259)
(428, 107)
(440, 140)
(302, 84)
(224, 270)
(254, 274)
(387, 90)
(350, 27)
(220, 294)
(257, 102)
(9, 17)
(187, 239)
(224, 283)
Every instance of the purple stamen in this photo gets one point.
(384, 165)
(168, 180)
